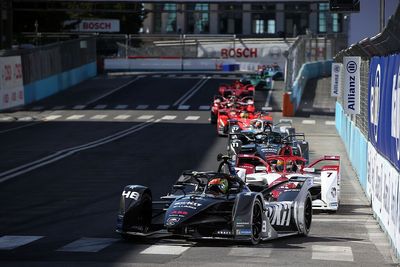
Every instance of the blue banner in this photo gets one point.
(384, 107)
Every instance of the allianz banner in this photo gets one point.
(384, 107)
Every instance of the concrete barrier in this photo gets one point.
(58, 82)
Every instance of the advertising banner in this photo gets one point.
(351, 90)
(384, 186)
(384, 107)
(336, 79)
(11, 82)
(93, 25)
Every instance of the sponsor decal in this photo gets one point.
(239, 52)
(172, 221)
(336, 79)
(264, 226)
(279, 213)
(131, 194)
(94, 25)
(395, 125)
(246, 231)
(187, 204)
(333, 204)
(374, 101)
(179, 212)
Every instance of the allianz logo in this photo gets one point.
(395, 123)
(374, 100)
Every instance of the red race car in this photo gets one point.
(236, 89)
(220, 103)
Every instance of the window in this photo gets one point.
(164, 18)
(322, 17)
(296, 18)
(336, 22)
(263, 18)
(230, 18)
(197, 18)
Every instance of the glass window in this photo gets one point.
(322, 17)
(197, 18)
(296, 19)
(336, 22)
(230, 18)
(263, 18)
(164, 18)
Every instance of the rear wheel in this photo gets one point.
(307, 216)
(213, 118)
(256, 224)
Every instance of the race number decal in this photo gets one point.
(131, 194)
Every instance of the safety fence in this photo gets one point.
(36, 73)
(372, 137)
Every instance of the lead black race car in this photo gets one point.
(218, 205)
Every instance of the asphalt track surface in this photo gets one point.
(65, 160)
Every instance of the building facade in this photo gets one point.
(264, 19)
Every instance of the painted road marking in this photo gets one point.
(165, 250)
(168, 117)
(100, 107)
(38, 108)
(28, 118)
(266, 108)
(75, 117)
(332, 253)
(156, 76)
(163, 107)
(52, 117)
(330, 123)
(79, 107)
(87, 244)
(204, 107)
(145, 117)
(142, 106)
(98, 117)
(122, 117)
(58, 107)
(7, 119)
(251, 252)
(171, 76)
(183, 107)
(192, 118)
(308, 122)
(9, 242)
(121, 106)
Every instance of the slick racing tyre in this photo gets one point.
(307, 213)
(256, 223)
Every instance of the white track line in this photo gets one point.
(9, 242)
(163, 107)
(190, 92)
(121, 106)
(169, 117)
(112, 91)
(165, 250)
(98, 117)
(142, 107)
(330, 123)
(192, 118)
(100, 107)
(87, 244)
(122, 117)
(183, 107)
(145, 117)
(79, 107)
(332, 253)
(52, 117)
(308, 122)
(204, 107)
(75, 117)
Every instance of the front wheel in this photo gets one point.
(307, 216)
(256, 223)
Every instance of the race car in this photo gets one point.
(237, 89)
(221, 103)
(232, 121)
(325, 171)
(275, 72)
(217, 205)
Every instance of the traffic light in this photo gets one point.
(344, 5)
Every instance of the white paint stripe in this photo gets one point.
(87, 244)
(308, 122)
(112, 91)
(7, 175)
(121, 106)
(79, 107)
(194, 90)
(183, 107)
(186, 76)
(9, 242)
(168, 117)
(156, 76)
(26, 118)
(192, 118)
(165, 250)
(332, 253)
(52, 117)
(38, 108)
(330, 123)
(75, 117)
(217, 76)
(145, 117)
(204, 107)
(266, 108)
(171, 75)
(122, 117)
(58, 107)
(142, 106)
(250, 252)
(163, 107)
(333, 219)
(185, 96)
(100, 107)
(98, 117)
(7, 119)
(142, 76)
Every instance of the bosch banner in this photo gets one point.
(93, 25)
(384, 107)
(11, 83)
(351, 90)
(336, 79)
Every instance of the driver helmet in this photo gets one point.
(244, 114)
(289, 165)
(258, 124)
(279, 165)
(218, 185)
(217, 101)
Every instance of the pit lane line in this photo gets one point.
(4, 176)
